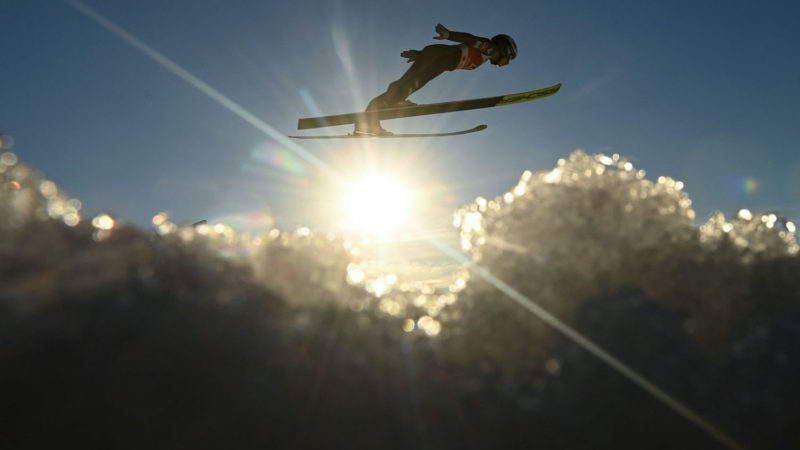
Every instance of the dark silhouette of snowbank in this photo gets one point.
(199, 337)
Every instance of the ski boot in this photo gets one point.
(403, 103)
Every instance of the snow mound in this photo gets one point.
(595, 225)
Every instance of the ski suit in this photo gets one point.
(431, 62)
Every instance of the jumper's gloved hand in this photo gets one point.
(412, 55)
(444, 33)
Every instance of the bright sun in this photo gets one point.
(377, 204)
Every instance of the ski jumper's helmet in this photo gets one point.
(506, 45)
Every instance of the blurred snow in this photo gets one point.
(224, 338)
(596, 224)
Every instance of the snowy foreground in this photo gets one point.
(202, 337)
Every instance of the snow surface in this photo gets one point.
(203, 336)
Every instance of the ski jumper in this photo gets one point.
(431, 62)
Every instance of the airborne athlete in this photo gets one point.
(432, 61)
(429, 63)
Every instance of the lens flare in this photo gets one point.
(280, 158)
(749, 185)
(257, 220)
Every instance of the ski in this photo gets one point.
(392, 135)
(421, 110)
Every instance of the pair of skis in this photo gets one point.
(418, 110)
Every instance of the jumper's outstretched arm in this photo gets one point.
(456, 36)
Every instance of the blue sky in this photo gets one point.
(704, 92)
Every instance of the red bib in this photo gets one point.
(472, 56)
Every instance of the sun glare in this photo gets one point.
(376, 204)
